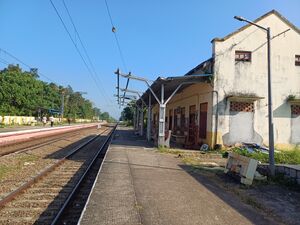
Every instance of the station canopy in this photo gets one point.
(170, 85)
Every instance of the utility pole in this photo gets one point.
(62, 106)
(270, 104)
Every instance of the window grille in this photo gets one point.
(241, 106)
(244, 56)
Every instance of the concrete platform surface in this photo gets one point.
(137, 185)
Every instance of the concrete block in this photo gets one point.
(286, 171)
(280, 169)
(293, 173)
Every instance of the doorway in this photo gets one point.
(193, 128)
(203, 120)
(170, 119)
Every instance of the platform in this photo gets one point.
(138, 185)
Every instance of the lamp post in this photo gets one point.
(270, 110)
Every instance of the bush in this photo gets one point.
(283, 157)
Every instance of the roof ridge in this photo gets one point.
(273, 11)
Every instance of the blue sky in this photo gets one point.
(157, 38)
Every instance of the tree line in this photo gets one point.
(22, 93)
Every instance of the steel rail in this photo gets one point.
(75, 189)
(26, 185)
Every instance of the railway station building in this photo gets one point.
(224, 100)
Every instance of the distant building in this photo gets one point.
(231, 105)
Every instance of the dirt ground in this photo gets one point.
(278, 200)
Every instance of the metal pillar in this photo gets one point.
(162, 105)
(62, 107)
(149, 119)
(118, 86)
(270, 110)
(162, 113)
(141, 120)
(137, 119)
(133, 119)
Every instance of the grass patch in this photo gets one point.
(253, 202)
(194, 159)
(201, 169)
(283, 157)
(281, 180)
(170, 151)
(27, 158)
(196, 167)
(5, 169)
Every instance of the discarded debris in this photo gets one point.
(204, 147)
(253, 147)
(209, 164)
(258, 176)
(28, 163)
(179, 156)
(242, 166)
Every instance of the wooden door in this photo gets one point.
(170, 119)
(182, 119)
(192, 125)
(203, 120)
(175, 120)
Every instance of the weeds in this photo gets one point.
(27, 158)
(283, 157)
(3, 170)
(7, 169)
(162, 149)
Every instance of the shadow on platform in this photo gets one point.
(256, 216)
(126, 137)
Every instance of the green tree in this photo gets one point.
(127, 113)
(22, 93)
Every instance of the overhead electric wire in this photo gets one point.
(118, 45)
(79, 52)
(77, 49)
(25, 64)
(4, 62)
(84, 48)
(85, 52)
(116, 36)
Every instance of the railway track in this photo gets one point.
(37, 143)
(46, 198)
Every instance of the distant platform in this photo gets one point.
(20, 128)
(11, 137)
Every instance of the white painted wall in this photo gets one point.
(295, 130)
(251, 77)
(241, 127)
